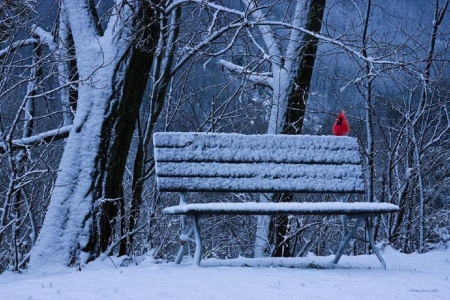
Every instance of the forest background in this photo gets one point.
(84, 84)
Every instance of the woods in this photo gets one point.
(84, 84)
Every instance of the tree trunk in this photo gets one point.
(67, 69)
(295, 113)
(116, 136)
(162, 66)
(299, 88)
(88, 192)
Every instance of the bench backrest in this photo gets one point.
(220, 162)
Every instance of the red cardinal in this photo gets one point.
(341, 127)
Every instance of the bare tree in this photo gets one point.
(113, 66)
(18, 224)
(289, 79)
(401, 93)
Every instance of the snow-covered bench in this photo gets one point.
(219, 162)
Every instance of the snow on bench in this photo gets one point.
(202, 162)
(220, 162)
(296, 208)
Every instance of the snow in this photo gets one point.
(264, 79)
(248, 170)
(39, 138)
(265, 185)
(254, 148)
(45, 37)
(315, 208)
(258, 163)
(413, 276)
(69, 221)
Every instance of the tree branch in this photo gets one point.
(263, 79)
(36, 140)
(17, 45)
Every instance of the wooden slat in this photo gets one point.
(268, 141)
(238, 148)
(258, 186)
(249, 155)
(258, 170)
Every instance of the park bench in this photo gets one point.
(221, 162)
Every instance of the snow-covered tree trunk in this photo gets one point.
(301, 66)
(304, 49)
(291, 72)
(67, 73)
(113, 68)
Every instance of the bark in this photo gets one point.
(370, 153)
(296, 105)
(280, 227)
(117, 132)
(161, 74)
(299, 89)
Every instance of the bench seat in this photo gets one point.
(296, 208)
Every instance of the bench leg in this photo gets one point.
(180, 253)
(198, 242)
(346, 239)
(185, 235)
(344, 226)
(372, 242)
(185, 239)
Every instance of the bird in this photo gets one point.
(341, 127)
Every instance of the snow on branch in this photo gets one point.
(268, 35)
(41, 138)
(357, 53)
(17, 45)
(217, 7)
(264, 79)
(207, 40)
(39, 36)
(266, 27)
(45, 37)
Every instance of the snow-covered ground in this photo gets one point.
(412, 276)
